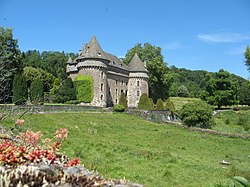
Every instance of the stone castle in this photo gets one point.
(111, 76)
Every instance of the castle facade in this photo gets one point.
(111, 76)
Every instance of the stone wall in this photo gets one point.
(158, 116)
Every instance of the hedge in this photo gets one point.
(84, 85)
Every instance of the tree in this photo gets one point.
(20, 90)
(65, 92)
(159, 105)
(221, 90)
(84, 85)
(160, 79)
(247, 57)
(145, 103)
(123, 100)
(36, 92)
(9, 62)
(182, 91)
(198, 114)
(244, 93)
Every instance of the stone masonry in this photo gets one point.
(111, 76)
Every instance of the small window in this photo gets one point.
(116, 82)
(116, 101)
(102, 75)
(101, 97)
(138, 83)
(138, 93)
(126, 92)
(101, 86)
(116, 92)
(99, 54)
(121, 91)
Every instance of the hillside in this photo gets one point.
(122, 146)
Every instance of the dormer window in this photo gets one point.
(99, 54)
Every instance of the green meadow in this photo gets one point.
(120, 146)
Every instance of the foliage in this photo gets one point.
(247, 57)
(159, 105)
(9, 63)
(65, 92)
(27, 150)
(182, 91)
(244, 94)
(84, 88)
(36, 92)
(20, 90)
(119, 108)
(221, 90)
(178, 102)
(31, 74)
(197, 114)
(168, 152)
(169, 105)
(145, 103)
(160, 80)
(123, 100)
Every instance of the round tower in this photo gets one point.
(138, 81)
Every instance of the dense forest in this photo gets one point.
(219, 88)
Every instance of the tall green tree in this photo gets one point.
(221, 90)
(160, 79)
(9, 62)
(20, 90)
(247, 57)
(36, 92)
(65, 92)
(123, 100)
(244, 93)
(182, 91)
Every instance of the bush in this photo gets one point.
(159, 105)
(65, 92)
(182, 91)
(20, 90)
(36, 92)
(145, 103)
(119, 108)
(123, 101)
(84, 88)
(198, 114)
(169, 105)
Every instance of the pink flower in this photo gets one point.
(73, 162)
(20, 122)
(30, 137)
(61, 134)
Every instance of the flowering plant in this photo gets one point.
(24, 148)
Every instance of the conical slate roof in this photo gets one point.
(136, 64)
(93, 49)
(69, 60)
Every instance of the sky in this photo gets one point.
(193, 34)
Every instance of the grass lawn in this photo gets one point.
(121, 146)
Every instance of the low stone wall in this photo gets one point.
(158, 116)
(50, 109)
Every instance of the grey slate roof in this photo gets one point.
(136, 64)
(93, 50)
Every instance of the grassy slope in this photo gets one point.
(180, 101)
(118, 146)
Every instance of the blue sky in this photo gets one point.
(193, 34)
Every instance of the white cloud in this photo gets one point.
(172, 46)
(224, 37)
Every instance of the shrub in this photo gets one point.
(159, 105)
(182, 91)
(84, 88)
(198, 114)
(65, 92)
(119, 108)
(144, 102)
(169, 105)
(123, 101)
(36, 92)
(20, 90)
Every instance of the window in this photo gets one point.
(126, 92)
(101, 97)
(116, 92)
(116, 101)
(102, 75)
(138, 83)
(138, 93)
(116, 82)
(121, 91)
(101, 86)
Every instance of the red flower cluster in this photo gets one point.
(73, 162)
(27, 149)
